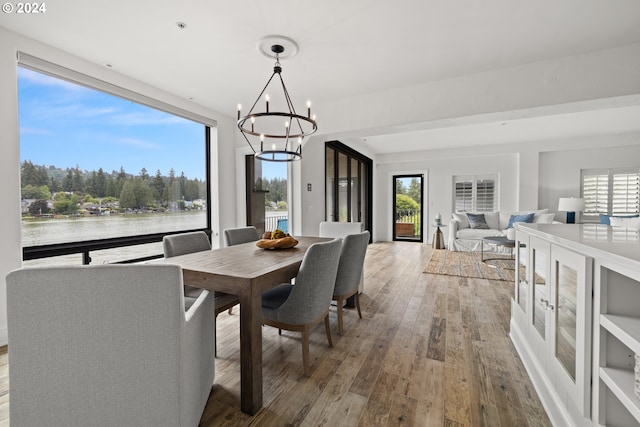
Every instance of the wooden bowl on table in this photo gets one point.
(282, 243)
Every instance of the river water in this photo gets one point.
(44, 231)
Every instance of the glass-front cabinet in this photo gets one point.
(541, 301)
(571, 325)
(521, 294)
(552, 318)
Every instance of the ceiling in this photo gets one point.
(346, 48)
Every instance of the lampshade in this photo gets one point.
(571, 204)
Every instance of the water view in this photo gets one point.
(44, 231)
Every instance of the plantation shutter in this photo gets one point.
(611, 192)
(463, 196)
(485, 191)
(595, 190)
(625, 194)
(475, 193)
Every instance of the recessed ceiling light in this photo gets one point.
(108, 65)
(181, 25)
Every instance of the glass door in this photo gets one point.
(348, 185)
(407, 207)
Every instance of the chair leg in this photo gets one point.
(357, 295)
(339, 305)
(305, 352)
(327, 328)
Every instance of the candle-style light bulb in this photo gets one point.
(266, 97)
(253, 120)
(239, 109)
(308, 109)
(273, 147)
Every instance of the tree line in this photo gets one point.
(72, 186)
(277, 192)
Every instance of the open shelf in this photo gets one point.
(625, 328)
(620, 382)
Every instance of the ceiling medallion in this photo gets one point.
(278, 134)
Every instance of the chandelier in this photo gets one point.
(276, 136)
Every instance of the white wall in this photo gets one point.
(10, 244)
(560, 170)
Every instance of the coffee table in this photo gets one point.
(498, 241)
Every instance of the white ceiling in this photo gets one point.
(347, 48)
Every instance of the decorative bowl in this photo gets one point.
(283, 243)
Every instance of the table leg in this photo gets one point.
(251, 351)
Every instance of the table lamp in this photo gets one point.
(571, 205)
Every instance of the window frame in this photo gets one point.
(85, 247)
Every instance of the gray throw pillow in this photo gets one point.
(477, 221)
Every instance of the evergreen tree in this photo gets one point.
(67, 182)
(158, 186)
(135, 194)
(101, 184)
(33, 175)
(77, 183)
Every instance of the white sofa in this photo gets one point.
(463, 238)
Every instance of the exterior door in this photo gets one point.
(407, 207)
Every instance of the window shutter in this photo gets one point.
(611, 191)
(595, 190)
(464, 196)
(625, 197)
(485, 199)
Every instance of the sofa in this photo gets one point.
(467, 229)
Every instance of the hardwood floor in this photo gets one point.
(431, 350)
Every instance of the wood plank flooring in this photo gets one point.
(431, 350)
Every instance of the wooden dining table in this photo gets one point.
(246, 271)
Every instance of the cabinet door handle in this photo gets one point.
(549, 307)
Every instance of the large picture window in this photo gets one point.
(100, 171)
(610, 192)
(475, 193)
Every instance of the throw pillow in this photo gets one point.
(626, 222)
(606, 219)
(462, 219)
(544, 218)
(520, 218)
(477, 221)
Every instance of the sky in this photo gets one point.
(64, 125)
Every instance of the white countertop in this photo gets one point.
(596, 240)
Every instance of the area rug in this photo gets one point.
(468, 264)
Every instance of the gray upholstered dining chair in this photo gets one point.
(302, 306)
(197, 241)
(107, 345)
(237, 236)
(354, 249)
